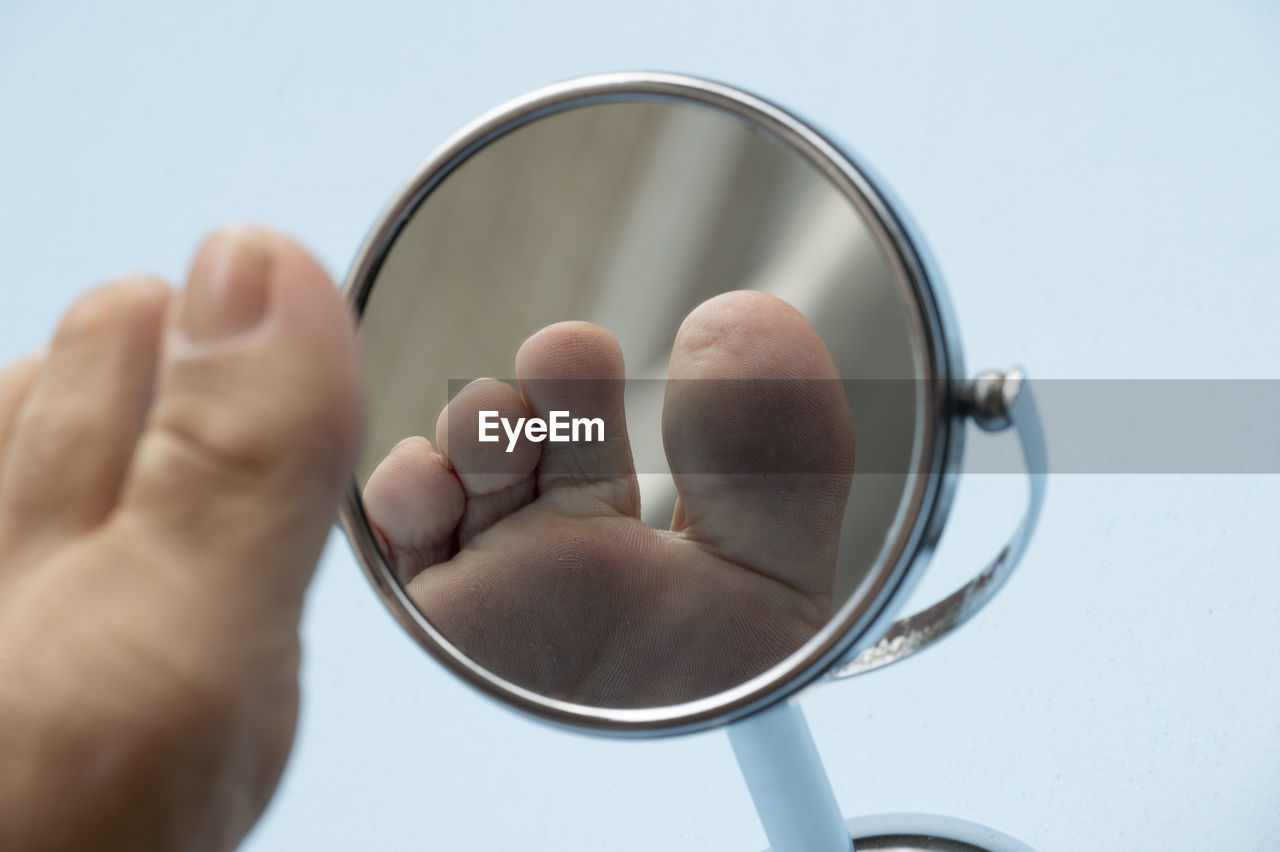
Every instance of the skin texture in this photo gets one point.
(169, 471)
(536, 563)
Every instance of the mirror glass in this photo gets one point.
(644, 403)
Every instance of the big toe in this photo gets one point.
(759, 436)
(253, 430)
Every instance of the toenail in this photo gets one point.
(227, 289)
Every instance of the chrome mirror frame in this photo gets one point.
(861, 636)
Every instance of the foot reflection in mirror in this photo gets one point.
(534, 561)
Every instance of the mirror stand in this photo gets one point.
(788, 783)
(775, 749)
(798, 809)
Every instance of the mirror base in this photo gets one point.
(927, 833)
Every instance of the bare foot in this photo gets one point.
(169, 472)
(536, 564)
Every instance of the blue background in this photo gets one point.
(1099, 185)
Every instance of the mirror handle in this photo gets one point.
(996, 401)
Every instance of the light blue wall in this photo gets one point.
(1099, 185)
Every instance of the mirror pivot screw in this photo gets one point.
(992, 396)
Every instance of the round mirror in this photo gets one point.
(664, 408)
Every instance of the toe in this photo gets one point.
(471, 433)
(16, 383)
(414, 503)
(256, 419)
(759, 437)
(495, 464)
(576, 368)
(72, 442)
